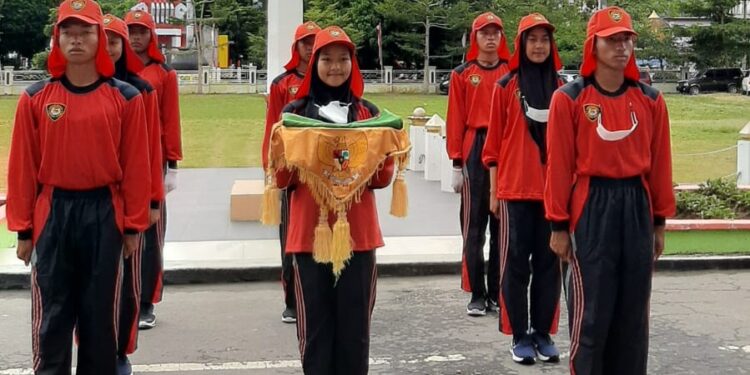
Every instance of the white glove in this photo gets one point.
(457, 180)
(170, 180)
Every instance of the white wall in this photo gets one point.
(283, 18)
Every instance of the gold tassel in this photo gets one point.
(341, 249)
(400, 198)
(323, 238)
(271, 209)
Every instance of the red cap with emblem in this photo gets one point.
(304, 30)
(527, 23)
(607, 22)
(483, 20)
(118, 26)
(87, 11)
(333, 35)
(141, 18)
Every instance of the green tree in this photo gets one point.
(244, 21)
(22, 25)
(725, 42)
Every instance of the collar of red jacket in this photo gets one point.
(119, 27)
(527, 23)
(87, 11)
(333, 35)
(486, 19)
(304, 30)
(603, 23)
(141, 18)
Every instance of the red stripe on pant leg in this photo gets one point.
(116, 300)
(301, 313)
(160, 235)
(466, 196)
(136, 272)
(578, 306)
(36, 319)
(373, 291)
(555, 320)
(505, 326)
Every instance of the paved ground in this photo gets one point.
(199, 208)
(700, 325)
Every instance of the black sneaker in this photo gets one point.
(123, 366)
(492, 305)
(545, 347)
(477, 307)
(289, 315)
(147, 319)
(523, 351)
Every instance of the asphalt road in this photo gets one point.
(700, 325)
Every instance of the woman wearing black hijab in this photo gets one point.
(516, 154)
(333, 312)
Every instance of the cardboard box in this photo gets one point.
(246, 200)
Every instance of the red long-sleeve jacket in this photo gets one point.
(510, 147)
(362, 216)
(164, 80)
(282, 92)
(578, 149)
(469, 96)
(151, 105)
(78, 138)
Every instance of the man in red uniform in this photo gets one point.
(469, 97)
(282, 92)
(515, 153)
(127, 65)
(79, 186)
(608, 192)
(163, 79)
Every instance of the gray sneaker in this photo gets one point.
(289, 315)
(477, 307)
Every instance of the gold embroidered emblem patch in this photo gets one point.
(55, 111)
(475, 79)
(615, 15)
(592, 111)
(77, 5)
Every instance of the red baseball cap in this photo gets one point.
(604, 23)
(87, 11)
(141, 18)
(527, 23)
(304, 30)
(118, 26)
(334, 35)
(482, 21)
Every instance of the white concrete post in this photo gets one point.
(388, 75)
(434, 148)
(283, 18)
(253, 79)
(743, 157)
(417, 136)
(239, 74)
(8, 74)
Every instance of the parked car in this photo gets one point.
(746, 84)
(713, 79)
(645, 77)
(568, 77)
(445, 84)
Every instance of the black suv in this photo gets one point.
(713, 79)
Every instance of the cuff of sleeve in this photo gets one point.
(130, 231)
(491, 164)
(172, 164)
(155, 205)
(458, 163)
(660, 221)
(25, 235)
(560, 226)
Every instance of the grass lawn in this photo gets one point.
(226, 130)
(707, 242)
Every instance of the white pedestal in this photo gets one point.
(283, 18)
(743, 163)
(446, 171)
(417, 158)
(434, 148)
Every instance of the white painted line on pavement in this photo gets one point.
(254, 365)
